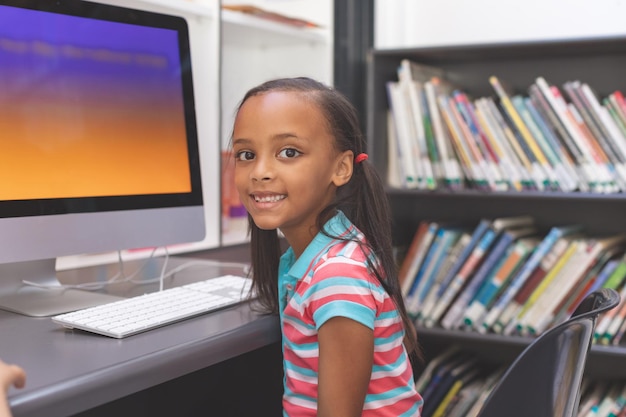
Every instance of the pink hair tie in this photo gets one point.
(360, 158)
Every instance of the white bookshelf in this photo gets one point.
(255, 50)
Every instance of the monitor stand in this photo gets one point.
(33, 301)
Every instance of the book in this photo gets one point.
(614, 322)
(405, 133)
(432, 365)
(566, 166)
(476, 134)
(522, 319)
(411, 281)
(461, 376)
(474, 259)
(510, 166)
(598, 130)
(584, 287)
(395, 174)
(508, 320)
(411, 261)
(529, 266)
(478, 308)
(589, 158)
(449, 169)
(429, 309)
(454, 316)
(525, 137)
(450, 259)
(581, 263)
(604, 321)
(411, 77)
(544, 108)
(444, 239)
(552, 160)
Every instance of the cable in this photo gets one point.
(120, 276)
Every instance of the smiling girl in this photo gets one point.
(300, 168)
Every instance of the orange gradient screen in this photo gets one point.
(83, 117)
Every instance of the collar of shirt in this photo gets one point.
(291, 270)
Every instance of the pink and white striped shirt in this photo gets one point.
(330, 279)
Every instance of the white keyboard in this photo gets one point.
(133, 315)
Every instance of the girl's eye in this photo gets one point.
(289, 153)
(244, 156)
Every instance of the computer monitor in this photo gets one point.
(98, 141)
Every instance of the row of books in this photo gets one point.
(439, 137)
(456, 384)
(505, 276)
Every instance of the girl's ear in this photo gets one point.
(343, 169)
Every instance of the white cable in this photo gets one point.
(115, 279)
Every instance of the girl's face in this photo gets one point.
(286, 166)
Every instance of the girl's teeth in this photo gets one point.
(269, 199)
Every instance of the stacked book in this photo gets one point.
(552, 138)
(505, 276)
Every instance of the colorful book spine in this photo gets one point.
(464, 273)
(453, 317)
(516, 283)
(485, 297)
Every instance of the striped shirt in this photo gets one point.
(331, 279)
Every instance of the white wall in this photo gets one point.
(415, 23)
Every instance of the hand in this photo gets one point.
(11, 375)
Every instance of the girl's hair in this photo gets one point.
(362, 199)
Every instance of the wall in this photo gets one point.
(416, 23)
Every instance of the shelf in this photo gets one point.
(600, 214)
(253, 32)
(602, 361)
(188, 6)
(598, 62)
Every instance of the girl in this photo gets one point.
(300, 168)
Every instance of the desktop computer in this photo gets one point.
(98, 142)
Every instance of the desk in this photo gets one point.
(75, 372)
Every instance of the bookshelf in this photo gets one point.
(598, 61)
(254, 50)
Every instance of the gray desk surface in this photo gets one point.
(69, 371)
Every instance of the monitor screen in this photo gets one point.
(98, 139)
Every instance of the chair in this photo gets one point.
(545, 379)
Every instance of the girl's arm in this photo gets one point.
(346, 355)
(9, 375)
